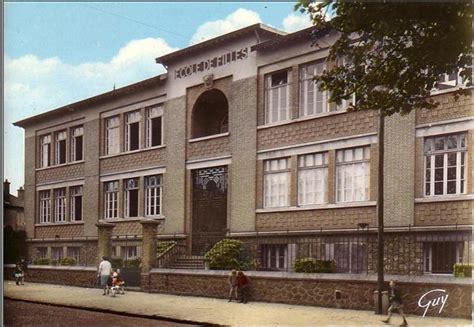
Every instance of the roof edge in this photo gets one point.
(94, 99)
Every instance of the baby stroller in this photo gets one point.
(118, 285)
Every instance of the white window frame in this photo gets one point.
(310, 96)
(276, 183)
(112, 135)
(111, 199)
(152, 113)
(280, 111)
(45, 150)
(61, 137)
(130, 184)
(131, 118)
(129, 252)
(57, 253)
(44, 206)
(429, 168)
(312, 178)
(75, 191)
(60, 205)
(77, 132)
(344, 103)
(348, 163)
(153, 195)
(280, 251)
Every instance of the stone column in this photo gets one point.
(149, 231)
(104, 231)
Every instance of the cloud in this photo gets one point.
(294, 22)
(238, 19)
(33, 85)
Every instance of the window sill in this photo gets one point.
(449, 90)
(301, 119)
(60, 224)
(61, 165)
(319, 207)
(132, 152)
(445, 198)
(210, 137)
(120, 220)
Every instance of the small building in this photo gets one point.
(236, 141)
(13, 213)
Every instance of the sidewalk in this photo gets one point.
(207, 310)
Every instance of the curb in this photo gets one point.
(120, 313)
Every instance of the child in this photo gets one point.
(233, 285)
(18, 274)
(243, 285)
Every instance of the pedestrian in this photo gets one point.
(18, 274)
(243, 286)
(104, 272)
(23, 265)
(395, 303)
(233, 284)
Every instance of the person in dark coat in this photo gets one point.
(395, 303)
(243, 286)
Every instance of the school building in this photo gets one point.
(236, 141)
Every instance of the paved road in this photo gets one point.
(19, 313)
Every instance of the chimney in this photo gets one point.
(6, 190)
(21, 195)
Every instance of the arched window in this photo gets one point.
(210, 114)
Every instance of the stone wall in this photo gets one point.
(71, 276)
(314, 289)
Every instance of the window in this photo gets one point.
(41, 252)
(312, 100)
(277, 97)
(128, 252)
(77, 144)
(447, 81)
(276, 183)
(312, 178)
(112, 135)
(45, 150)
(45, 206)
(111, 200)
(445, 165)
(131, 197)
(350, 257)
(153, 193)
(132, 131)
(154, 126)
(352, 174)
(344, 103)
(57, 253)
(60, 204)
(61, 147)
(274, 256)
(440, 257)
(76, 203)
(73, 252)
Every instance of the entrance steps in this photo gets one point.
(187, 262)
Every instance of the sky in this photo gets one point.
(59, 53)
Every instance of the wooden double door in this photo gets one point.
(209, 215)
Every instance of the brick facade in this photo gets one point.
(444, 213)
(132, 161)
(316, 219)
(55, 174)
(448, 109)
(214, 147)
(65, 231)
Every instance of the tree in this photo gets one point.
(394, 52)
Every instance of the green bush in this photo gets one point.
(41, 261)
(463, 270)
(116, 263)
(135, 263)
(310, 265)
(53, 262)
(162, 246)
(67, 261)
(228, 254)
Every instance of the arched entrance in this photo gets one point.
(210, 114)
(209, 216)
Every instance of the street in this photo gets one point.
(20, 313)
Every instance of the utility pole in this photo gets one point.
(380, 230)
